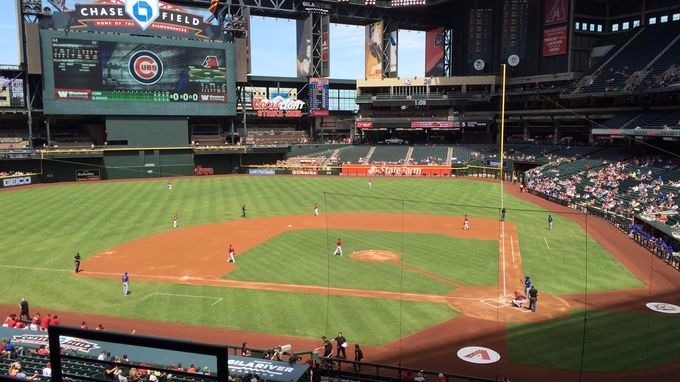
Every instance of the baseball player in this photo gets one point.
(550, 221)
(174, 221)
(370, 183)
(338, 247)
(126, 284)
(316, 209)
(232, 252)
(466, 223)
(76, 262)
(169, 186)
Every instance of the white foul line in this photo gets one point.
(546, 243)
(512, 248)
(217, 299)
(503, 253)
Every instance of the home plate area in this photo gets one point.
(504, 301)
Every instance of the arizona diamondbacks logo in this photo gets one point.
(143, 12)
(145, 67)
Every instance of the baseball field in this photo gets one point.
(412, 286)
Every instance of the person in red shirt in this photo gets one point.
(43, 350)
(338, 247)
(232, 252)
(55, 320)
(10, 321)
(19, 325)
(45, 322)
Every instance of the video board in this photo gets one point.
(87, 73)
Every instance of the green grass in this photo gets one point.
(613, 341)
(303, 257)
(42, 227)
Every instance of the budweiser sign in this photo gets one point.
(278, 107)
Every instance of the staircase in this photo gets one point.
(369, 155)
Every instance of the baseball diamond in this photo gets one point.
(456, 283)
(218, 190)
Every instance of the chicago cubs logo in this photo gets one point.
(143, 12)
(145, 67)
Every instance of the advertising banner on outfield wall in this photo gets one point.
(434, 53)
(87, 175)
(555, 12)
(18, 181)
(394, 170)
(555, 41)
(373, 51)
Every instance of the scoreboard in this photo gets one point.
(132, 75)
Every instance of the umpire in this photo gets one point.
(533, 297)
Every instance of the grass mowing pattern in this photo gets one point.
(44, 226)
(556, 260)
(304, 257)
(613, 341)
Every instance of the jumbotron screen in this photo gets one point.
(129, 75)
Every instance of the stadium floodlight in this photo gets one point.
(406, 3)
(369, 2)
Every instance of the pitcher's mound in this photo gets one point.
(375, 255)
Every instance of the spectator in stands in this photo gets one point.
(15, 370)
(35, 322)
(420, 377)
(45, 322)
(192, 369)
(47, 370)
(133, 375)
(10, 320)
(99, 327)
(43, 350)
(55, 320)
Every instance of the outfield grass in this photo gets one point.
(304, 257)
(45, 225)
(613, 341)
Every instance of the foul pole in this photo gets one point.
(502, 137)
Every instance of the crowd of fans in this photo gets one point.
(600, 186)
(647, 187)
(11, 173)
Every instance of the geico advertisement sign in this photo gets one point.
(12, 182)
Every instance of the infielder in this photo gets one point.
(232, 252)
(466, 223)
(174, 221)
(550, 221)
(126, 284)
(338, 248)
(316, 209)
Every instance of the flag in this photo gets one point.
(214, 4)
